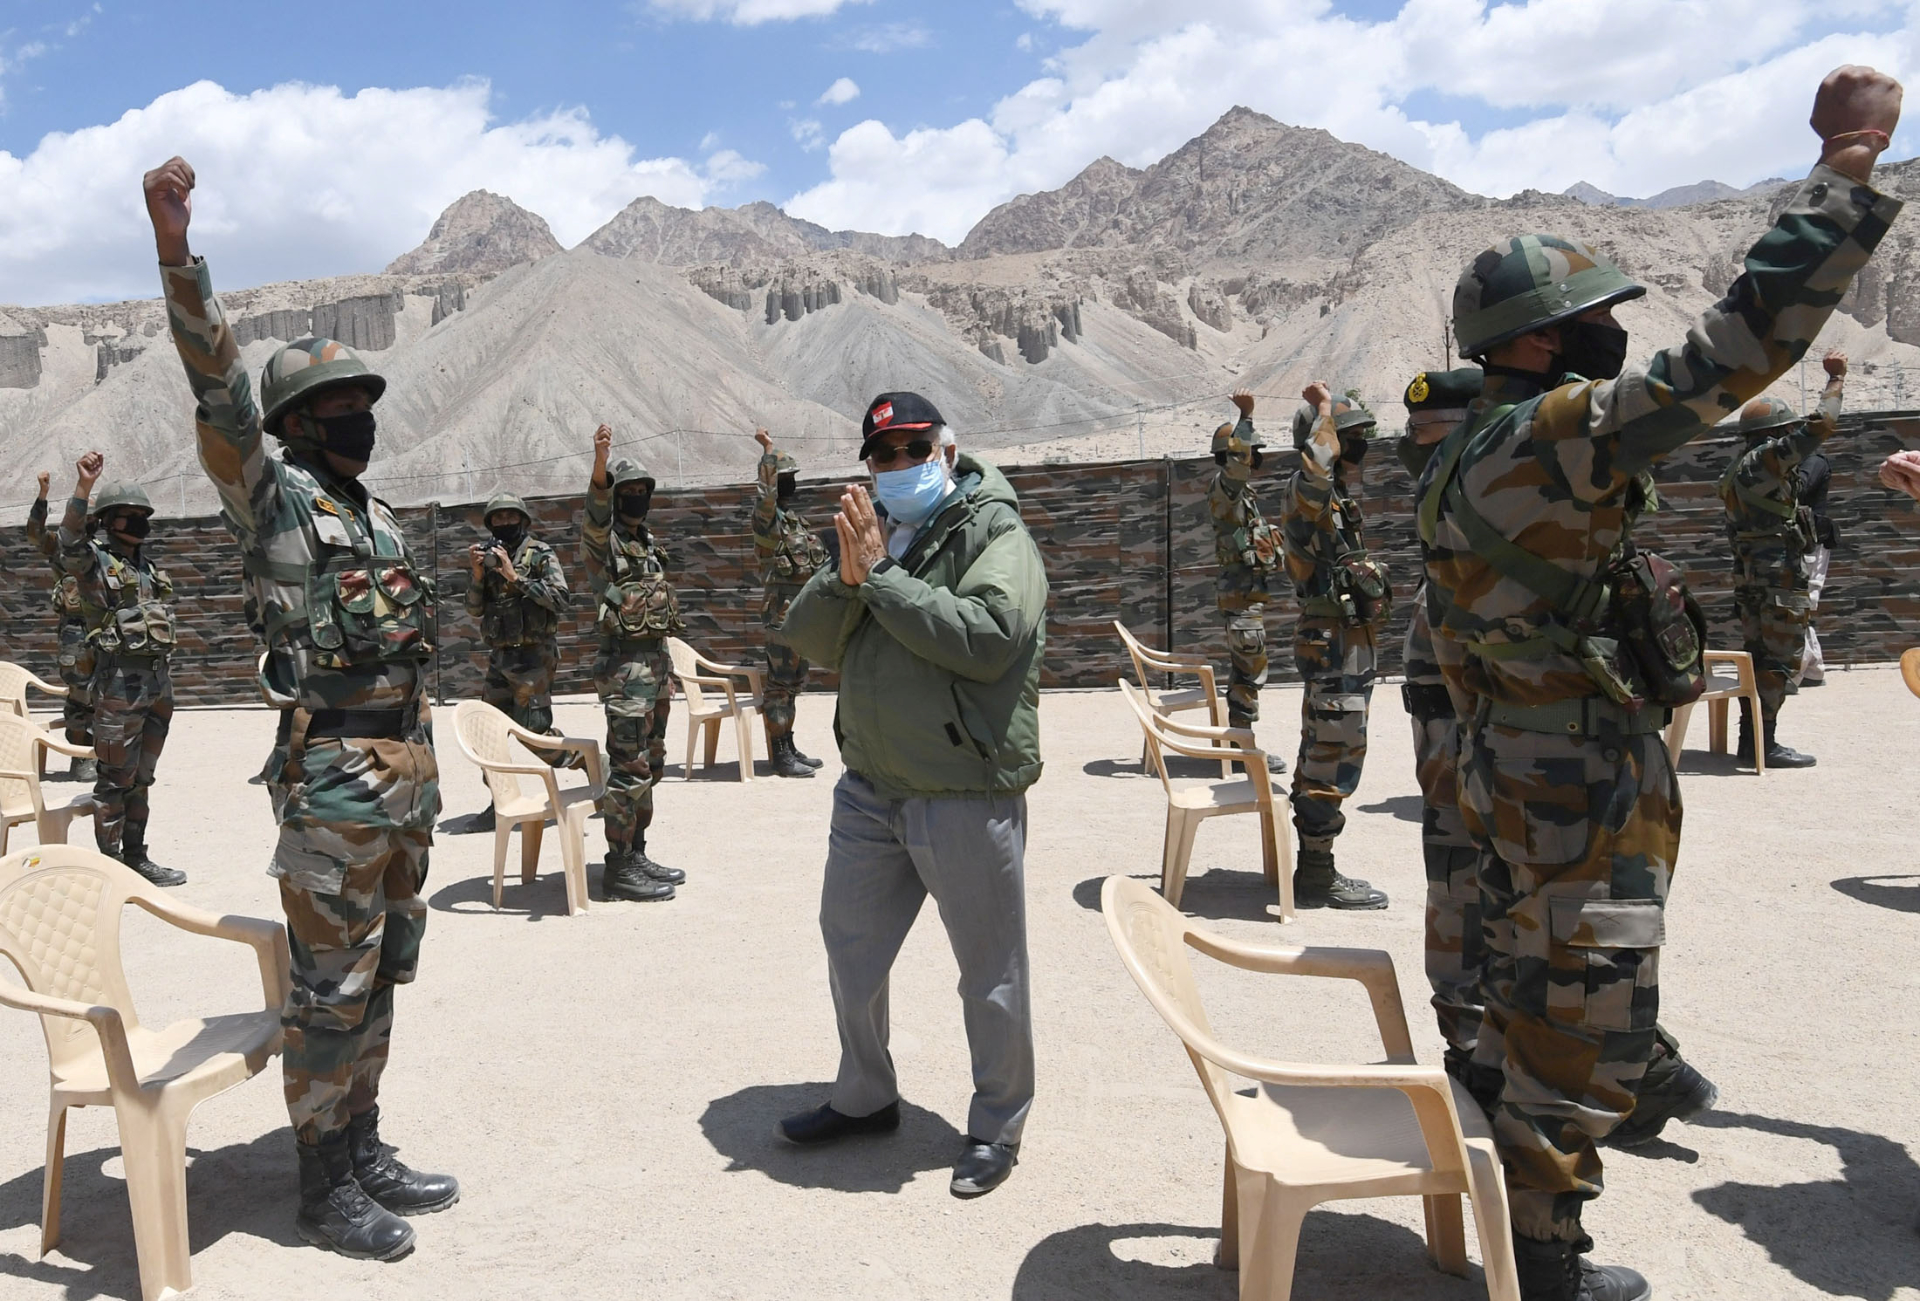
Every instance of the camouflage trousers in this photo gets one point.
(519, 684)
(76, 672)
(635, 682)
(133, 708)
(1455, 948)
(356, 824)
(1581, 834)
(786, 670)
(1773, 629)
(1246, 664)
(1336, 663)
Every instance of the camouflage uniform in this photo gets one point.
(1248, 550)
(1573, 796)
(518, 621)
(1772, 537)
(333, 591)
(789, 554)
(76, 654)
(639, 610)
(126, 603)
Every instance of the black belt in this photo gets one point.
(380, 724)
(1426, 701)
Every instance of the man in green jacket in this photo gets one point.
(935, 622)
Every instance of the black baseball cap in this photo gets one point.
(891, 411)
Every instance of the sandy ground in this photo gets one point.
(606, 1087)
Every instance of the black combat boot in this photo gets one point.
(1743, 752)
(133, 852)
(389, 1181)
(335, 1212)
(1556, 1271)
(811, 762)
(658, 871)
(482, 821)
(1781, 756)
(786, 761)
(1317, 885)
(1670, 1090)
(84, 770)
(624, 878)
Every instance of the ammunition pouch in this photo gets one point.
(1426, 701)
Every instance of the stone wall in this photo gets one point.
(1127, 540)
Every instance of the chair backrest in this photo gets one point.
(1150, 723)
(686, 668)
(19, 752)
(13, 688)
(1132, 643)
(1151, 936)
(482, 733)
(60, 927)
(1910, 669)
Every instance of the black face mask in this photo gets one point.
(509, 536)
(1259, 455)
(634, 505)
(1353, 450)
(785, 486)
(134, 526)
(1592, 350)
(349, 437)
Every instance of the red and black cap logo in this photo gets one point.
(891, 411)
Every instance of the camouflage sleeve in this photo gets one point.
(476, 598)
(1824, 422)
(596, 530)
(545, 583)
(1770, 469)
(39, 537)
(1603, 434)
(76, 549)
(225, 418)
(766, 507)
(1311, 491)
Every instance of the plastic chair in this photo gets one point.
(1189, 803)
(1147, 661)
(1311, 1133)
(483, 733)
(698, 675)
(22, 796)
(60, 927)
(14, 681)
(1721, 689)
(1910, 669)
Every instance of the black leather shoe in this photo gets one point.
(825, 1125)
(135, 857)
(481, 821)
(1556, 1271)
(982, 1167)
(658, 871)
(1681, 1094)
(786, 760)
(388, 1180)
(1317, 885)
(807, 759)
(624, 878)
(336, 1213)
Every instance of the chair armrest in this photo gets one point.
(45, 688)
(68, 748)
(268, 940)
(1254, 758)
(715, 666)
(1371, 967)
(105, 1021)
(1240, 736)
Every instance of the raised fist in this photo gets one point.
(1244, 400)
(169, 189)
(1317, 394)
(89, 468)
(1855, 113)
(45, 479)
(602, 441)
(1836, 363)
(762, 437)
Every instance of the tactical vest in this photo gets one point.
(639, 604)
(796, 557)
(1347, 583)
(1785, 522)
(65, 598)
(1255, 545)
(515, 619)
(135, 620)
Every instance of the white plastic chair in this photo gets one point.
(14, 681)
(483, 733)
(22, 796)
(1311, 1133)
(60, 911)
(1720, 690)
(699, 675)
(1167, 701)
(1191, 801)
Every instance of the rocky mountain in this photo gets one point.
(1680, 196)
(482, 234)
(655, 232)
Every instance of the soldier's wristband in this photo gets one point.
(882, 565)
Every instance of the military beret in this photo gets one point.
(1444, 390)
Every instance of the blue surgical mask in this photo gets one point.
(912, 494)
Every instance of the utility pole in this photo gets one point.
(183, 494)
(1803, 382)
(466, 473)
(1140, 424)
(1446, 343)
(679, 457)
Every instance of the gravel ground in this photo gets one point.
(606, 1086)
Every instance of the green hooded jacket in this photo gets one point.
(939, 655)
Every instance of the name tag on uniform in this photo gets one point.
(331, 531)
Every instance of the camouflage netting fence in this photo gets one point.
(1124, 539)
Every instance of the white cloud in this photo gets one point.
(885, 38)
(842, 91)
(300, 181)
(807, 132)
(750, 13)
(728, 167)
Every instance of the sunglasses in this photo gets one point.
(917, 450)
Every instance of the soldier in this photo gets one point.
(1248, 549)
(1774, 536)
(789, 553)
(126, 602)
(333, 592)
(1342, 596)
(76, 656)
(639, 610)
(518, 592)
(1564, 780)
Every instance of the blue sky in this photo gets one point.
(328, 137)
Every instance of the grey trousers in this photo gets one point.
(884, 857)
(1813, 666)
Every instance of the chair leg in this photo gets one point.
(1278, 854)
(1267, 1252)
(154, 1148)
(50, 1181)
(1174, 872)
(1228, 1254)
(53, 826)
(1487, 1189)
(502, 828)
(1759, 737)
(1677, 732)
(1446, 1234)
(573, 856)
(713, 741)
(530, 833)
(1717, 725)
(693, 736)
(743, 739)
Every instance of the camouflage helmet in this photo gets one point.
(504, 500)
(306, 367)
(624, 471)
(1348, 415)
(1527, 283)
(785, 464)
(1227, 439)
(1764, 415)
(119, 496)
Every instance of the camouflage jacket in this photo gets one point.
(126, 601)
(629, 569)
(528, 610)
(1550, 471)
(65, 599)
(331, 585)
(1320, 521)
(1771, 532)
(788, 551)
(1246, 546)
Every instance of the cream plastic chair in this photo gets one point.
(22, 796)
(483, 733)
(60, 927)
(14, 681)
(1165, 702)
(1720, 690)
(699, 675)
(1910, 669)
(1311, 1133)
(1190, 802)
